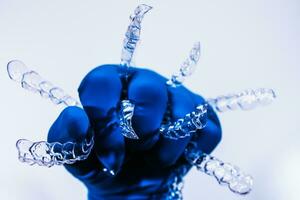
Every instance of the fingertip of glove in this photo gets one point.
(71, 125)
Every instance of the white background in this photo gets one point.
(245, 44)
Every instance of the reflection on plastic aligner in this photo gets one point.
(187, 67)
(225, 173)
(49, 154)
(32, 81)
(186, 126)
(245, 100)
(132, 35)
(126, 114)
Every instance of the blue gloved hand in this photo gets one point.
(141, 166)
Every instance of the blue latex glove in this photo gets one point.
(141, 166)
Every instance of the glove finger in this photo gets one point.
(148, 91)
(72, 125)
(99, 94)
(110, 148)
(167, 151)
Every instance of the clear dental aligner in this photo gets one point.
(245, 100)
(48, 154)
(225, 173)
(187, 68)
(132, 35)
(44, 153)
(32, 81)
(126, 114)
(186, 126)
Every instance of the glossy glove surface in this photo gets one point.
(141, 166)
